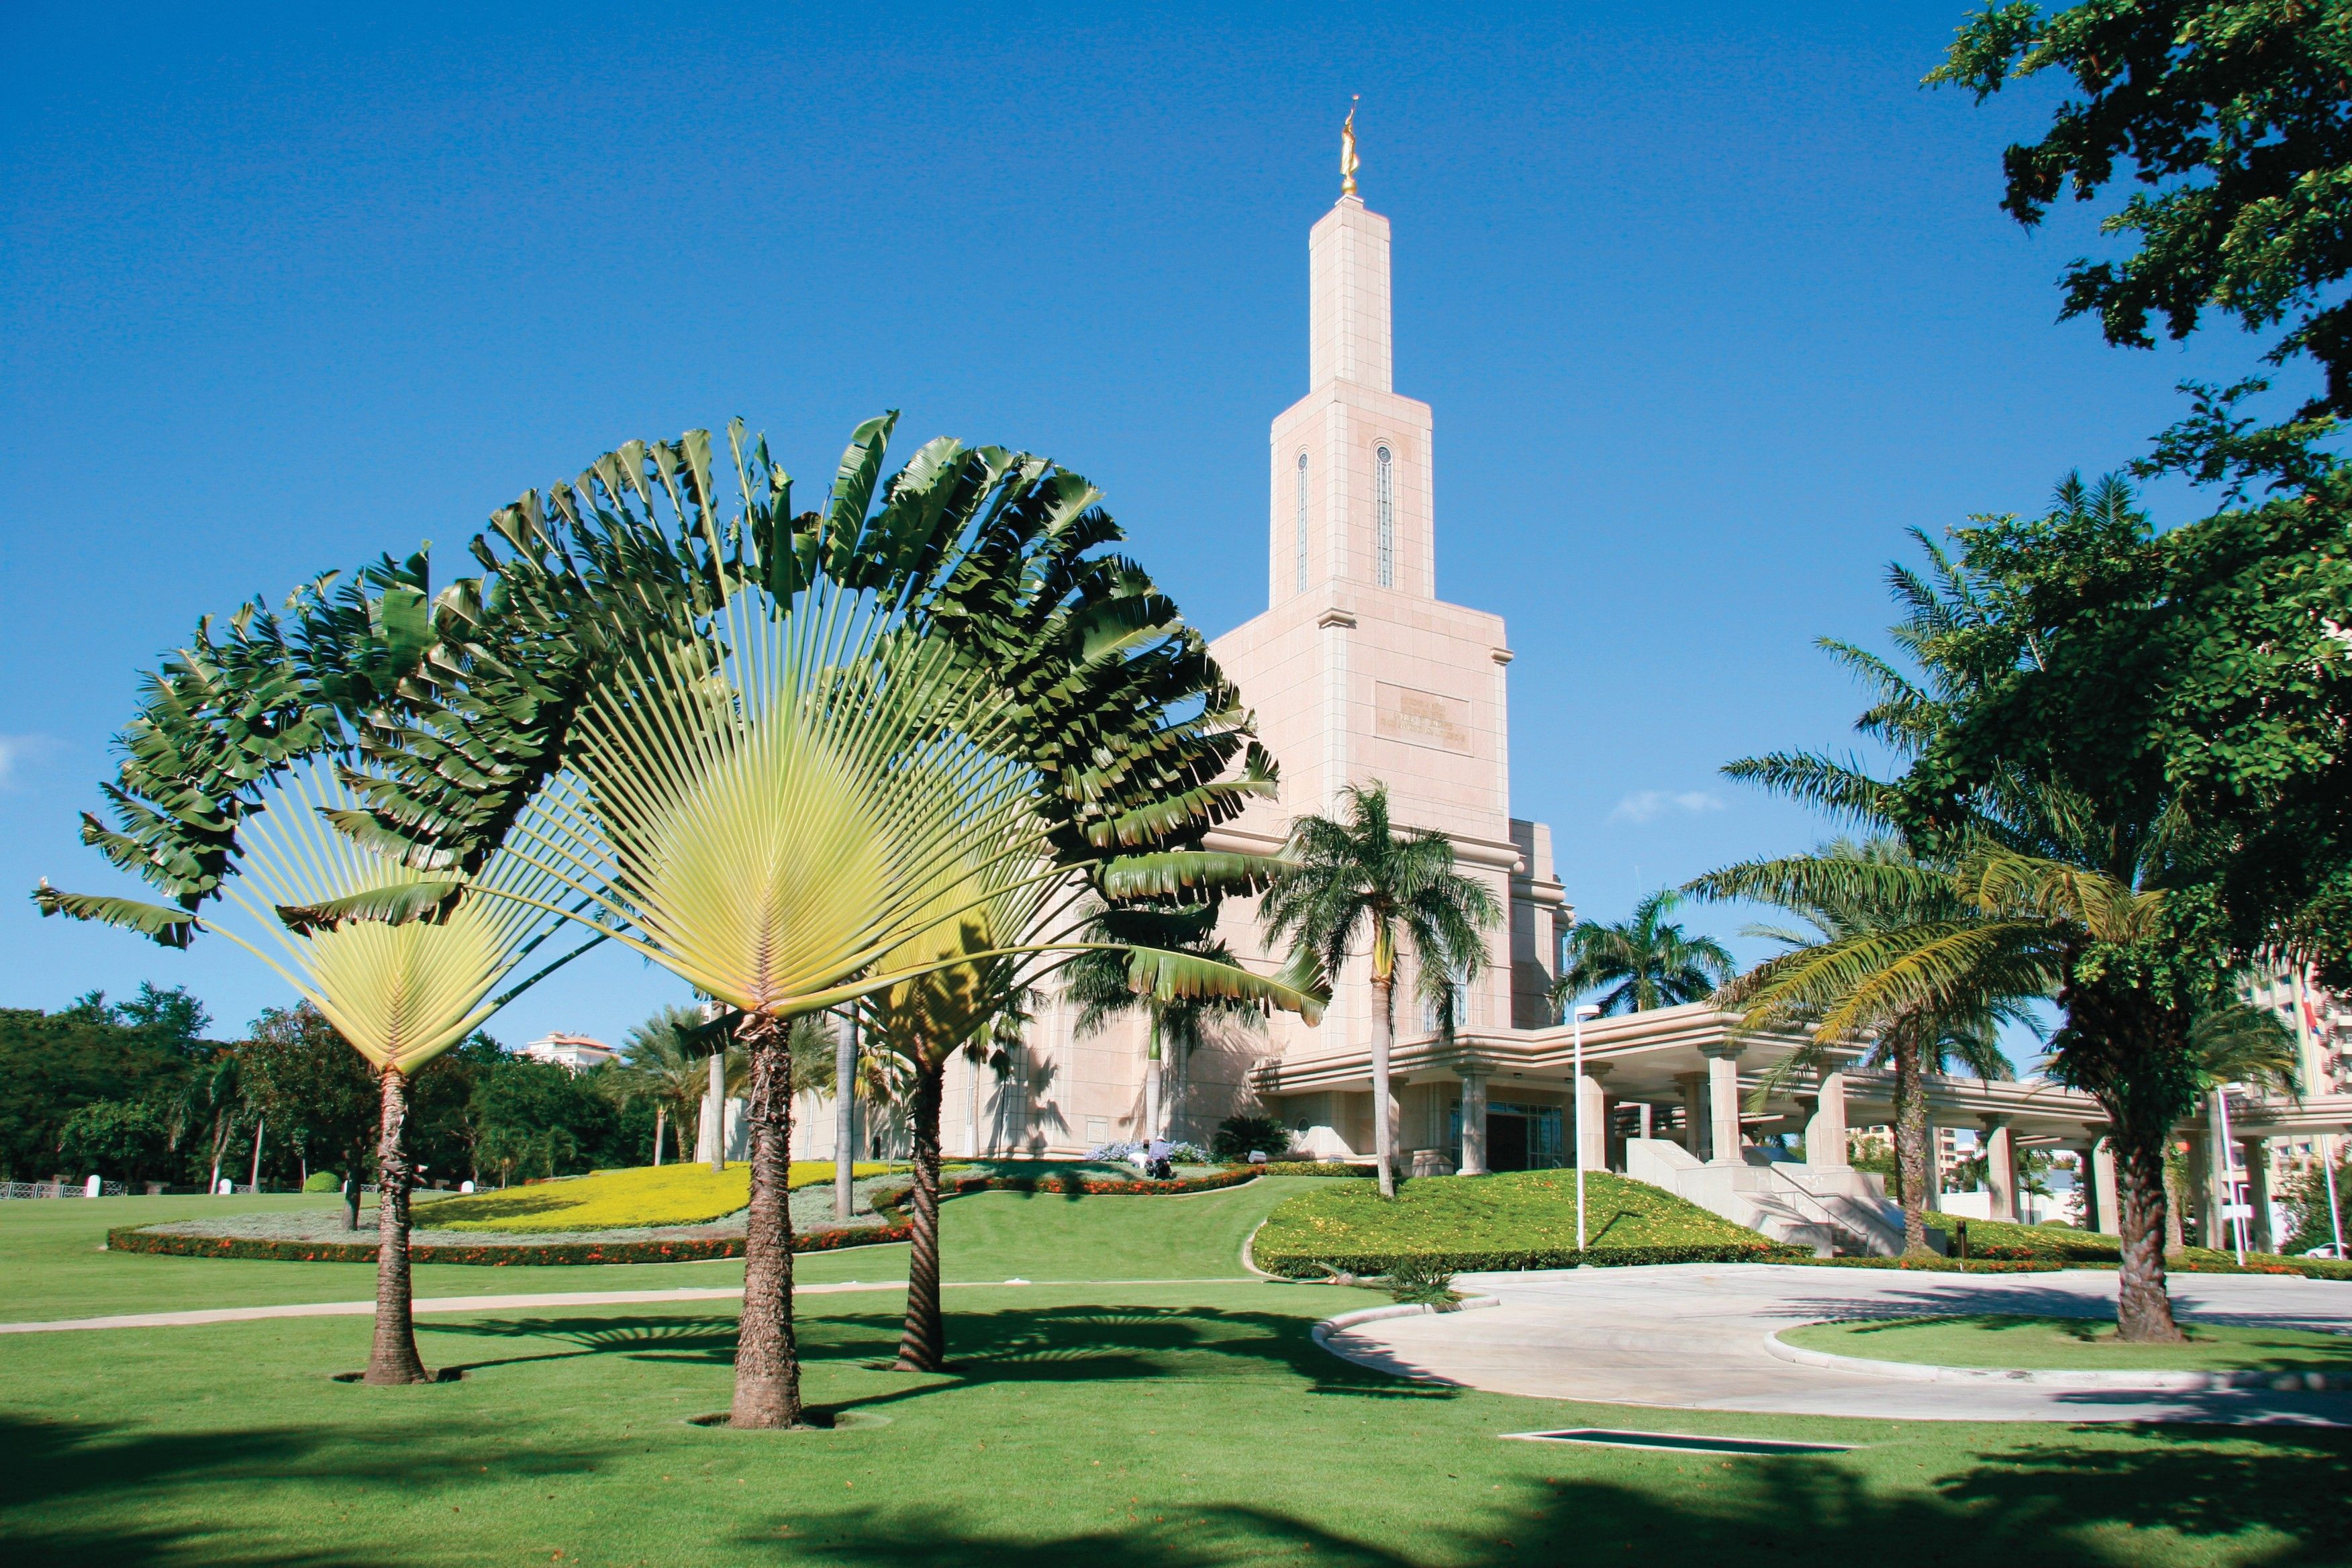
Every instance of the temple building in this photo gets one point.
(1359, 673)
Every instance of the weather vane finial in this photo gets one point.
(1347, 149)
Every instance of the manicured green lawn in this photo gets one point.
(2079, 1344)
(1085, 1426)
(1492, 1222)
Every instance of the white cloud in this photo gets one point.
(17, 750)
(1649, 805)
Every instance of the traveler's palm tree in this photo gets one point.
(223, 792)
(806, 727)
(1645, 959)
(1867, 903)
(399, 995)
(1357, 882)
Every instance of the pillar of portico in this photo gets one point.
(1826, 1133)
(1694, 1112)
(2221, 1159)
(1474, 1123)
(1723, 1103)
(1645, 1111)
(1592, 1154)
(2201, 1201)
(2257, 1196)
(2000, 1167)
(2109, 1216)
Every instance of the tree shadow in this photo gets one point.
(2267, 1498)
(83, 1493)
(707, 1337)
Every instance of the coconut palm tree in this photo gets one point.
(806, 726)
(1647, 959)
(1864, 903)
(1357, 880)
(665, 1058)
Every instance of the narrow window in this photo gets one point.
(1302, 522)
(1384, 517)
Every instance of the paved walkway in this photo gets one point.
(1692, 1337)
(423, 1305)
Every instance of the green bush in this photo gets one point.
(1311, 1168)
(323, 1182)
(1471, 1224)
(1238, 1137)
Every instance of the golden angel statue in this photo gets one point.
(1348, 150)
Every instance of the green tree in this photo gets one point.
(2227, 118)
(539, 1118)
(1648, 959)
(1175, 1026)
(53, 1064)
(1874, 907)
(122, 1135)
(665, 1059)
(1357, 881)
(302, 1075)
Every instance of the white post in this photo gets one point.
(1826, 1133)
(1723, 1102)
(1577, 1034)
(2224, 1156)
(2001, 1168)
(845, 1117)
(2102, 1187)
(1474, 1123)
(94, 1186)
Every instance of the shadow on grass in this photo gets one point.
(82, 1492)
(1048, 1345)
(2269, 1499)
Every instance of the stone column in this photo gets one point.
(1694, 1112)
(1644, 1109)
(1593, 1155)
(1825, 1132)
(2257, 1196)
(2201, 1203)
(2109, 1216)
(2223, 1152)
(1474, 1123)
(1723, 1103)
(2000, 1167)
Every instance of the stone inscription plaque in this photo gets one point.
(1422, 718)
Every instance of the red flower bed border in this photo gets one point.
(501, 1254)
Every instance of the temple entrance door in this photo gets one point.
(1507, 1141)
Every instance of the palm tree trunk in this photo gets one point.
(923, 1341)
(845, 1119)
(661, 1115)
(972, 1107)
(394, 1358)
(353, 1165)
(2143, 1307)
(1384, 1145)
(1913, 1163)
(767, 1361)
(260, 1124)
(1152, 1081)
(715, 1109)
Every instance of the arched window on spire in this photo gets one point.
(1302, 522)
(1384, 518)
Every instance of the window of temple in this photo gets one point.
(1384, 518)
(1302, 522)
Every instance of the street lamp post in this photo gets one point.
(1576, 1027)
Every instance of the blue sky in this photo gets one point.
(1712, 302)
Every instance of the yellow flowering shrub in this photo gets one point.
(650, 1194)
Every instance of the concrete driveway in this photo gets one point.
(1692, 1336)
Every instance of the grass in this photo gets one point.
(2002, 1340)
(1153, 1425)
(1482, 1221)
(649, 1194)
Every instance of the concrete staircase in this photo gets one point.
(1831, 1212)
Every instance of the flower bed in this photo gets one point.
(608, 1200)
(681, 1249)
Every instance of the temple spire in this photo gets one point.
(1347, 164)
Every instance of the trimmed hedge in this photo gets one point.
(1070, 1182)
(1313, 1168)
(1297, 1265)
(1940, 1264)
(1526, 1219)
(129, 1238)
(1992, 1238)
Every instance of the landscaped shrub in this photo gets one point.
(1475, 1224)
(323, 1182)
(1416, 1284)
(607, 1200)
(1940, 1264)
(1312, 1168)
(1990, 1239)
(1239, 1137)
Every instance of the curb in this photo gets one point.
(2053, 1377)
(1323, 1331)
